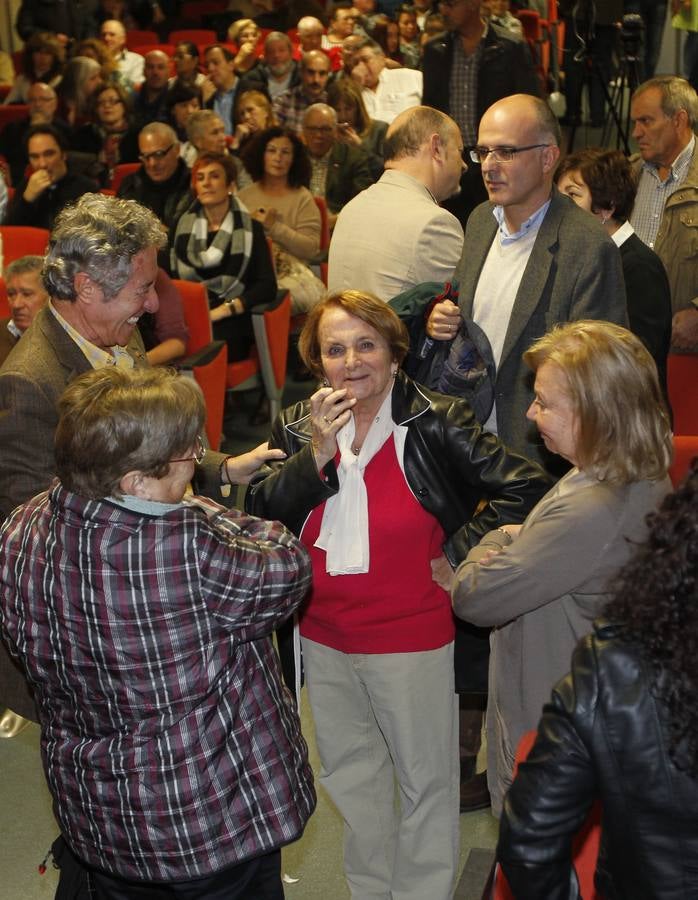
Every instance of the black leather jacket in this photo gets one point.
(603, 735)
(451, 465)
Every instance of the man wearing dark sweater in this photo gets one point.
(50, 187)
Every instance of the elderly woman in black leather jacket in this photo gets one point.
(623, 728)
(383, 482)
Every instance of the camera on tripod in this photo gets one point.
(631, 30)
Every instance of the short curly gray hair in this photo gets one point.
(98, 235)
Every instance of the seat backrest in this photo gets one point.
(682, 380)
(4, 303)
(685, 450)
(196, 313)
(196, 35)
(12, 113)
(271, 326)
(136, 37)
(120, 172)
(324, 223)
(21, 240)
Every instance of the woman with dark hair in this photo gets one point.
(354, 125)
(111, 135)
(81, 77)
(43, 57)
(218, 243)
(386, 33)
(383, 480)
(182, 100)
(280, 201)
(622, 728)
(410, 46)
(603, 183)
(598, 405)
(186, 60)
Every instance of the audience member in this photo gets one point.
(43, 57)
(539, 585)
(26, 295)
(386, 34)
(150, 102)
(501, 16)
(206, 133)
(338, 171)
(621, 728)
(163, 183)
(380, 673)
(111, 135)
(466, 70)
(537, 257)
(394, 235)
(7, 69)
(603, 183)
(342, 22)
(278, 71)
(653, 13)
(423, 8)
(186, 60)
(42, 195)
(98, 50)
(126, 444)
(410, 47)
(355, 127)
(386, 92)
(164, 332)
(43, 104)
(68, 21)
(220, 65)
(664, 113)
(367, 16)
(290, 106)
(253, 113)
(310, 32)
(685, 20)
(81, 77)
(182, 101)
(218, 243)
(280, 200)
(245, 34)
(130, 64)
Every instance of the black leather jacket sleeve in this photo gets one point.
(553, 791)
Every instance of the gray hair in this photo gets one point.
(159, 129)
(371, 45)
(114, 421)
(309, 23)
(413, 128)
(98, 235)
(321, 107)
(198, 122)
(277, 36)
(677, 94)
(24, 265)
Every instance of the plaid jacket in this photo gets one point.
(170, 747)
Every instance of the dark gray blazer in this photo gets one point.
(574, 272)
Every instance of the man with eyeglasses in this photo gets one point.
(338, 171)
(50, 185)
(162, 184)
(466, 70)
(531, 258)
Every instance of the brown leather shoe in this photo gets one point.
(474, 794)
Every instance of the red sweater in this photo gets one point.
(395, 607)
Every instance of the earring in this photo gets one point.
(325, 382)
(604, 218)
(394, 373)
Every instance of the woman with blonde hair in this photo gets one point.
(355, 126)
(245, 34)
(540, 585)
(253, 113)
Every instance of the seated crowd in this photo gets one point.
(491, 376)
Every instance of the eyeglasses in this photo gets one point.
(500, 154)
(199, 452)
(156, 154)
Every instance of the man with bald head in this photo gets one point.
(338, 171)
(394, 235)
(162, 184)
(130, 64)
(150, 102)
(290, 106)
(310, 32)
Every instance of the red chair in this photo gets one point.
(685, 449)
(135, 38)
(4, 302)
(203, 36)
(206, 359)
(12, 113)
(120, 172)
(197, 10)
(682, 384)
(22, 240)
(5, 90)
(266, 365)
(585, 849)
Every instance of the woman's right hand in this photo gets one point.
(330, 410)
(348, 135)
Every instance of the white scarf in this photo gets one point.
(344, 530)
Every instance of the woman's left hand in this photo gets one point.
(442, 573)
(240, 469)
(348, 135)
(267, 217)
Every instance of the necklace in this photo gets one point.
(355, 450)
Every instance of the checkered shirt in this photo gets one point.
(290, 107)
(170, 746)
(463, 91)
(653, 193)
